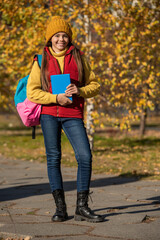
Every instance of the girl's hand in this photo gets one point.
(63, 100)
(71, 89)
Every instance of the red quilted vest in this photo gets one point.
(74, 110)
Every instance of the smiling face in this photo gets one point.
(59, 41)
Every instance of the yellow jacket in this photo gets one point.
(37, 95)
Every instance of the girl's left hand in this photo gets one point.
(71, 89)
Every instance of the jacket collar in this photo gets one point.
(67, 52)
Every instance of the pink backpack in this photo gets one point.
(28, 111)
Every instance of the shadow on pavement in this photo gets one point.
(118, 210)
(27, 190)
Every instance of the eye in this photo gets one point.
(65, 36)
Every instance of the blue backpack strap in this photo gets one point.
(39, 56)
(33, 132)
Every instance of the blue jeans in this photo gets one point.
(76, 133)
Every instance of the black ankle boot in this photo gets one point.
(83, 212)
(61, 210)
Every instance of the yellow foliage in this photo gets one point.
(124, 48)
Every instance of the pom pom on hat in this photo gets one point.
(58, 24)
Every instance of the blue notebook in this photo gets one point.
(59, 83)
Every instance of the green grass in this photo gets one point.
(125, 156)
(128, 156)
(119, 154)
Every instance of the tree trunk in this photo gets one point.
(90, 104)
(90, 123)
(142, 127)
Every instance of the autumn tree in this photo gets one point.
(129, 66)
(21, 26)
(124, 49)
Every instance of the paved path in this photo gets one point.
(131, 208)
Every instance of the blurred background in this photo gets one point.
(121, 40)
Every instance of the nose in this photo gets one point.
(61, 38)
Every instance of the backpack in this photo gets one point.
(28, 111)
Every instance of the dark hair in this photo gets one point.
(78, 58)
(44, 67)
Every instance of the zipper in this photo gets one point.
(61, 73)
(57, 74)
(64, 64)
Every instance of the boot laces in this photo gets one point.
(89, 195)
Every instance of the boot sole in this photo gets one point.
(59, 219)
(82, 218)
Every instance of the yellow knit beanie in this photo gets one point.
(58, 24)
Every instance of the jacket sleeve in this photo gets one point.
(92, 87)
(34, 89)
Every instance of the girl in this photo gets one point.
(60, 56)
